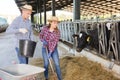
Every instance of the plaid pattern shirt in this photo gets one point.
(52, 38)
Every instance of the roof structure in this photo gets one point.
(59, 4)
(86, 6)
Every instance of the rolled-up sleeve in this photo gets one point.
(41, 34)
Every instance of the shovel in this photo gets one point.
(51, 66)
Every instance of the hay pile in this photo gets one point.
(80, 68)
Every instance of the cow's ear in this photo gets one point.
(88, 39)
(80, 35)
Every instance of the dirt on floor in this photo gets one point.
(78, 68)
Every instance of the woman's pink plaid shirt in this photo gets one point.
(51, 37)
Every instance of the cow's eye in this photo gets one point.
(80, 35)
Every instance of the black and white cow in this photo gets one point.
(89, 40)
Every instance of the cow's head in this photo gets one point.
(83, 39)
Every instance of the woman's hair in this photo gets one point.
(56, 29)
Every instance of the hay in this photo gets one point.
(80, 68)
(72, 72)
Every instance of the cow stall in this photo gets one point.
(103, 36)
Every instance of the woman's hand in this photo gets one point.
(49, 54)
(45, 42)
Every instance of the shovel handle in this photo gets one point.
(51, 66)
(50, 62)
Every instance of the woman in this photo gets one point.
(50, 35)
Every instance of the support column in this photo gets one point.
(44, 3)
(76, 16)
(40, 18)
(76, 9)
(37, 11)
(40, 6)
(32, 17)
(53, 7)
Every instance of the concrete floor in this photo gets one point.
(7, 52)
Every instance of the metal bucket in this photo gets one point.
(27, 47)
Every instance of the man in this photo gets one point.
(21, 27)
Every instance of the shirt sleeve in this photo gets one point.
(41, 34)
(13, 27)
(57, 37)
(31, 34)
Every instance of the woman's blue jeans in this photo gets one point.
(56, 61)
(22, 59)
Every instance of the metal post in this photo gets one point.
(44, 3)
(76, 9)
(76, 16)
(40, 18)
(37, 11)
(40, 6)
(53, 7)
(32, 17)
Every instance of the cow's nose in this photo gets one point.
(78, 49)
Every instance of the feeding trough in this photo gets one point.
(19, 72)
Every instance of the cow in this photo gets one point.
(89, 40)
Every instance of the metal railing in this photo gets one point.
(107, 46)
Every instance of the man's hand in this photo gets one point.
(23, 30)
